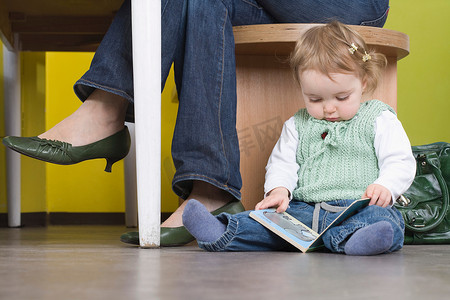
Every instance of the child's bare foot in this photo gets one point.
(210, 196)
(100, 116)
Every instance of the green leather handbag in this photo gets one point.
(425, 205)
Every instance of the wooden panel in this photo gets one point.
(387, 88)
(267, 96)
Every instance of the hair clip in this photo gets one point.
(353, 48)
(366, 56)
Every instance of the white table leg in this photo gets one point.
(11, 76)
(146, 26)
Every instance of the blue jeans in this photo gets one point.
(245, 234)
(197, 37)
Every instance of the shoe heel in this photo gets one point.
(109, 163)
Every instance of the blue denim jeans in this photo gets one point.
(197, 37)
(245, 234)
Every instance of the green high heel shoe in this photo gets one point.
(112, 148)
(179, 236)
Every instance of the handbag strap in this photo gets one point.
(432, 160)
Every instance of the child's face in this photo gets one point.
(335, 99)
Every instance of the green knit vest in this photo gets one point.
(337, 159)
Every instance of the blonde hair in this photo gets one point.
(326, 48)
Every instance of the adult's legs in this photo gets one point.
(205, 148)
(205, 145)
(352, 12)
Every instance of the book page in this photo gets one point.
(286, 226)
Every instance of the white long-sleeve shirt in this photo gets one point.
(392, 147)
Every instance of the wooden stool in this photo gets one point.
(268, 94)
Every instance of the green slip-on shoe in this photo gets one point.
(179, 236)
(112, 148)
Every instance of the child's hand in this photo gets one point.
(277, 198)
(378, 194)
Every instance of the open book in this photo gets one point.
(297, 233)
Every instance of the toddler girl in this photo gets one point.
(331, 153)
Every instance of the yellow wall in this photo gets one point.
(169, 107)
(84, 187)
(424, 75)
(33, 191)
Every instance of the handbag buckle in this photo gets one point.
(403, 201)
(417, 221)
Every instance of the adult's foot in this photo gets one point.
(208, 195)
(100, 116)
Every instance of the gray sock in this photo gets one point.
(201, 223)
(371, 240)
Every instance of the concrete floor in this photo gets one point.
(89, 262)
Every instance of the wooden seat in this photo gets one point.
(268, 95)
